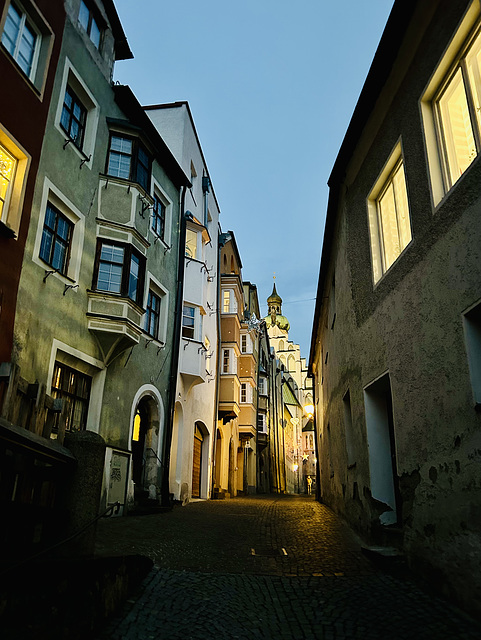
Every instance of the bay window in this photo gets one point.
(128, 159)
(119, 269)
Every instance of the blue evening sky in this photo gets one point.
(272, 85)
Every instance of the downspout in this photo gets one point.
(316, 443)
(217, 368)
(174, 367)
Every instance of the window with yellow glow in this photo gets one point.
(388, 212)
(457, 109)
(7, 174)
(191, 244)
(226, 302)
(136, 431)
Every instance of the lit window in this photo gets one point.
(226, 301)
(73, 388)
(191, 244)
(458, 114)
(20, 39)
(119, 269)
(129, 160)
(389, 222)
(73, 118)
(8, 165)
(88, 22)
(152, 314)
(56, 239)
(158, 217)
(188, 322)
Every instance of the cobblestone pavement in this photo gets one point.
(266, 567)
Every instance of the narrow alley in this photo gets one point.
(267, 567)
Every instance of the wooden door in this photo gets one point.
(196, 466)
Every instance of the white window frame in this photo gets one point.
(263, 427)
(198, 245)
(247, 347)
(43, 44)
(262, 386)
(11, 213)
(394, 164)
(232, 362)
(72, 78)
(248, 393)
(51, 193)
(232, 306)
(456, 50)
(163, 293)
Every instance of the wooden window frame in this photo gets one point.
(134, 160)
(151, 312)
(129, 251)
(59, 392)
(58, 214)
(158, 219)
(187, 328)
(79, 141)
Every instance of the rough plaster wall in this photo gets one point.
(410, 324)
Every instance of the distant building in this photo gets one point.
(396, 347)
(296, 395)
(194, 418)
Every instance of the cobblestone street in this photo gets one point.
(266, 567)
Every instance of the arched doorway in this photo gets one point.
(139, 437)
(197, 460)
(146, 440)
(231, 478)
(218, 460)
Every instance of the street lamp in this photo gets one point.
(309, 410)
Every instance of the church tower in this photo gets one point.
(277, 324)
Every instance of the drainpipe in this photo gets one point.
(174, 367)
(316, 443)
(217, 367)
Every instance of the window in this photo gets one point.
(191, 244)
(188, 322)
(261, 423)
(457, 108)
(56, 239)
(389, 222)
(226, 361)
(129, 160)
(243, 343)
(158, 217)
(20, 39)
(262, 386)
(119, 269)
(8, 165)
(226, 301)
(73, 118)
(88, 22)
(243, 392)
(152, 314)
(73, 388)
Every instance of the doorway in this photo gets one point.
(197, 461)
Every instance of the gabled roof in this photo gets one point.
(136, 115)
(178, 104)
(122, 49)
